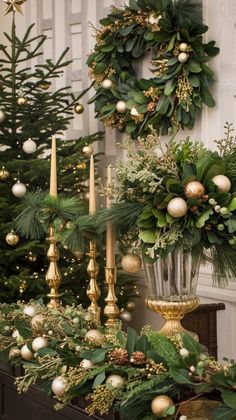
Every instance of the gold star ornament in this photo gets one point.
(14, 5)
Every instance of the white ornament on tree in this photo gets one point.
(107, 84)
(29, 146)
(183, 57)
(29, 310)
(177, 207)
(222, 182)
(86, 364)
(114, 380)
(2, 115)
(26, 353)
(39, 343)
(121, 107)
(59, 386)
(183, 46)
(18, 189)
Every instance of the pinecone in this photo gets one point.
(119, 356)
(138, 358)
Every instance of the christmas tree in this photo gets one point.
(31, 112)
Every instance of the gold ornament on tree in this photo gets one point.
(13, 6)
(78, 108)
(45, 85)
(177, 207)
(87, 150)
(22, 100)
(222, 182)
(160, 404)
(131, 263)
(194, 189)
(4, 174)
(12, 238)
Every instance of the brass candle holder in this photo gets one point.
(53, 276)
(111, 310)
(93, 291)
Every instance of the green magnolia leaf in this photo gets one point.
(231, 224)
(99, 355)
(194, 67)
(181, 376)
(162, 105)
(194, 80)
(127, 29)
(229, 398)
(191, 344)
(224, 413)
(203, 218)
(23, 327)
(133, 5)
(169, 87)
(148, 236)
(47, 351)
(131, 340)
(143, 344)
(161, 217)
(213, 238)
(100, 378)
(219, 379)
(202, 387)
(140, 98)
(232, 204)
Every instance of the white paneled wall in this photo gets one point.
(70, 23)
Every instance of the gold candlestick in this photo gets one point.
(53, 276)
(111, 310)
(93, 291)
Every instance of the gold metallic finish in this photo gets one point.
(93, 291)
(173, 312)
(53, 276)
(111, 310)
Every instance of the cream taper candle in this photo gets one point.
(110, 236)
(92, 191)
(53, 171)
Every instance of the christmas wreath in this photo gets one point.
(172, 31)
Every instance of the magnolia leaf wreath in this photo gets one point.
(172, 31)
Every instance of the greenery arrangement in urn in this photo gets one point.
(178, 196)
(172, 31)
(143, 377)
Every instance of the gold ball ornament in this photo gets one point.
(4, 174)
(45, 85)
(26, 353)
(194, 189)
(114, 381)
(130, 306)
(12, 238)
(39, 343)
(183, 46)
(125, 316)
(131, 263)
(121, 107)
(22, 100)
(81, 165)
(177, 207)
(37, 321)
(222, 182)
(160, 404)
(78, 108)
(87, 150)
(183, 57)
(94, 337)
(59, 386)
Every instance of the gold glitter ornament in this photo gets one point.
(94, 337)
(81, 165)
(14, 6)
(131, 263)
(183, 46)
(160, 404)
(78, 108)
(130, 306)
(194, 189)
(4, 174)
(22, 100)
(222, 182)
(87, 150)
(45, 85)
(12, 238)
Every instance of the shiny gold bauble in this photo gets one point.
(94, 337)
(81, 165)
(130, 306)
(4, 174)
(12, 238)
(160, 404)
(177, 207)
(222, 182)
(131, 263)
(22, 100)
(125, 316)
(78, 108)
(45, 85)
(87, 150)
(194, 189)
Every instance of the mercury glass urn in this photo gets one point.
(172, 284)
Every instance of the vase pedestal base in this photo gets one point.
(173, 312)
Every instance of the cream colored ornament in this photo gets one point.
(160, 404)
(177, 207)
(18, 189)
(37, 321)
(14, 352)
(194, 189)
(22, 100)
(29, 146)
(126, 316)
(94, 336)
(87, 150)
(107, 84)
(39, 343)
(12, 238)
(131, 263)
(59, 386)
(86, 364)
(26, 353)
(2, 115)
(183, 57)
(183, 46)
(222, 182)
(114, 380)
(29, 310)
(121, 107)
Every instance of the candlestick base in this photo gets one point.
(111, 310)
(93, 291)
(53, 276)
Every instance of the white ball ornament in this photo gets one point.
(183, 57)
(38, 343)
(29, 146)
(59, 386)
(18, 189)
(183, 46)
(126, 316)
(177, 207)
(222, 182)
(86, 364)
(29, 310)
(37, 321)
(114, 380)
(2, 115)
(121, 107)
(26, 353)
(94, 336)
(107, 84)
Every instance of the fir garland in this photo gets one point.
(172, 31)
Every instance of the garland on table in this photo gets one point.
(143, 377)
(173, 31)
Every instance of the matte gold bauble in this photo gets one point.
(45, 85)
(87, 150)
(183, 57)
(22, 100)
(194, 189)
(39, 343)
(131, 263)
(160, 404)
(177, 207)
(4, 174)
(222, 182)
(114, 380)
(59, 386)
(78, 108)
(183, 46)
(12, 238)
(37, 321)
(126, 316)
(26, 353)
(130, 306)
(94, 336)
